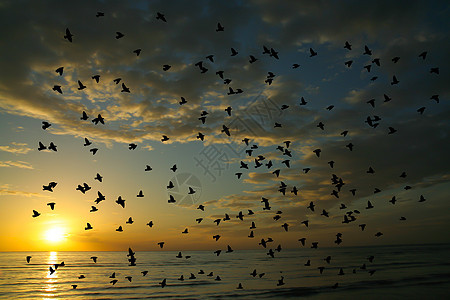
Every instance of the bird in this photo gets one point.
(394, 80)
(35, 214)
(280, 281)
(423, 55)
(395, 59)
(57, 88)
(219, 27)
(125, 89)
(137, 52)
(119, 229)
(28, 258)
(183, 101)
(52, 147)
(317, 152)
(421, 110)
(98, 119)
(94, 259)
(312, 52)
(52, 205)
(68, 36)
(225, 130)
(45, 125)
(233, 52)
(100, 14)
(121, 201)
(60, 71)
(93, 150)
(119, 35)
(164, 138)
(160, 16)
(367, 51)
(88, 226)
(392, 130)
(348, 63)
(129, 221)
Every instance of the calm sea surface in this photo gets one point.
(401, 272)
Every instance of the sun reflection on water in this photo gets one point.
(51, 280)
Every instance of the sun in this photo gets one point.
(55, 234)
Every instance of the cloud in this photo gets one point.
(16, 148)
(17, 164)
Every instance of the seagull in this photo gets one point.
(312, 52)
(35, 214)
(88, 226)
(81, 86)
(52, 205)
(119, 35)
(94, 258)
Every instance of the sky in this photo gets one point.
(33, 46)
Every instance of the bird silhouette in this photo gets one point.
(219, 27)
(45, 125)
(125, 89)
(35, 214)
(137, 52)
(60, 71)
(96, 78)
(121, 201)
(394, 80)
(367, 51)
(57, 88)
(81, 86)
(98, 119)
(119, 35)
(68, 36)
(312, 52)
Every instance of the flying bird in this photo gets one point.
(68, 36)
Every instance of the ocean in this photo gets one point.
(396, 272)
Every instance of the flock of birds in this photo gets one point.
(337, 183)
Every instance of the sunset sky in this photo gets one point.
(33, 47)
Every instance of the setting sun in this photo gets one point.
(54, 235)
